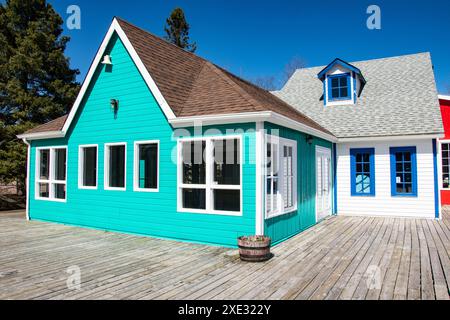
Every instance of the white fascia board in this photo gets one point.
(295, 125)
(41, 135)
(443, 97)
(392, 138)
(246, 117)
(115, 27)
(217, 119)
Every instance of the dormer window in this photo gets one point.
(342, 83)
(339, 87)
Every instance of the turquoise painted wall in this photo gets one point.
(285, 226)
(139, 118)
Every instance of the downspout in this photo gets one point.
(27, 201)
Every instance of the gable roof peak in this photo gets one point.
(338, 61)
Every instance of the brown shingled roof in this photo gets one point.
(54, 125)
(193, 86)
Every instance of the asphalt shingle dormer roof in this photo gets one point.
(399, 98)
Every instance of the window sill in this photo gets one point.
(212, 212)
(363, 195)
(115, 189)
(87, 188)
(149, 190)
(404, 195)
(274, 215)
(51, 199)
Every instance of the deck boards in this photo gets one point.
(340, 258)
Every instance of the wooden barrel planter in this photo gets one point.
(254, 248)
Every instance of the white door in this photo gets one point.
(323, 183)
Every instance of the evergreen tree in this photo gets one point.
(177, 30)
(36, 82)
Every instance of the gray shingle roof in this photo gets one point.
(400, 98)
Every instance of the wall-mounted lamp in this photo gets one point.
(107, 60)
(114, 105)
(309, 139)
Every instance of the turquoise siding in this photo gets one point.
(285, 226)
(139, 118)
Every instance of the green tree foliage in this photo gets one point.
(177, 30)
(36, 82)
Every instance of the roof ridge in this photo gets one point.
(222, 73)
(368, 60)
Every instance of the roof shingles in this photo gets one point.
(193, 86)
(399, 98)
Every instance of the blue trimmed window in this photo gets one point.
(362, 165)
(403, 171)
(339, 87)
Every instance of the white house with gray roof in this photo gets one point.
(385, 114)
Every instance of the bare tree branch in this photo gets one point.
(266, 83)
(295, 63)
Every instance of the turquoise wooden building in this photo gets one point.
(161, 142)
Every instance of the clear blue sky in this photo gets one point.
(256, 38)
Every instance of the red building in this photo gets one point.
(445, 150)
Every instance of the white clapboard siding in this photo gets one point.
(383, 204)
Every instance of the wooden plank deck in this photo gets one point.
(340, 258)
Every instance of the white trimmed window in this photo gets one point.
(115, 166)
(146, 166)
(51, 173)
(445, 151)
(88, 166)
(281, 176)
(210, 175)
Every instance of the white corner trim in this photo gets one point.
(259, 190)
(115, 27)
(444, 97)
(27, 201)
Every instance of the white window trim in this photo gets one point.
(81, 167)
(106, 167)
(209, 186)
(136, 167)
(51, 181)
(280, 143)
(441, 163)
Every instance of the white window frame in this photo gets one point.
(209, 185)
(81, 167)
(136, 166)
(51, 180)
(280, 143)
(441, 164)
(106, 167)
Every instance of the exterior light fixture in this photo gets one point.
(114, 104)
(107, 60)
(309, 139)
